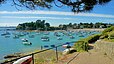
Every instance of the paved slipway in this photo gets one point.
(92, 57)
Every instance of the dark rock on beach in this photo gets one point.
(12, 55)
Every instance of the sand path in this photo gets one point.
(91, 57)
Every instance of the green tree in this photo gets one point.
(85, 25)
(70, 25)
(74, 26)
(38, 25)
(47, 26)
(42, 24)
(65, 27)
(92, 25)
(61, 26)
(19, 27)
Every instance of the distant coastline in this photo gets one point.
(85, 29)
(88, 29)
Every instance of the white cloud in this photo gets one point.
(57, 13)
(23, 17)
(66, 14)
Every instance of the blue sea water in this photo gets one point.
(10, 45)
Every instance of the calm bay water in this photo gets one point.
(11, 45)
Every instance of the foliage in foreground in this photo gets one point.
(82, 44)
(111, 35)
(93, 38)
(108, 33)
(108, 30)
(75, 5)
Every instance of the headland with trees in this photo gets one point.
(42, 25)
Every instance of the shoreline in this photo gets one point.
(88, 29)
(85, 29)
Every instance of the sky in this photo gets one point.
(10, 16)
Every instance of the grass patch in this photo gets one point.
(47, 57)
(108, 30)
(108, 40)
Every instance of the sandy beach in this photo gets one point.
(87, 29)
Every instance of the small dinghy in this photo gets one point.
(59, 38)
(72, 37)
(24, 39)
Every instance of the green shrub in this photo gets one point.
(104, 36)
(81, 46)
(111, 35)
(108, 30)
(93, 38)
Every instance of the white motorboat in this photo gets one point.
(45, 38)
(59, 38)
(26, 42)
